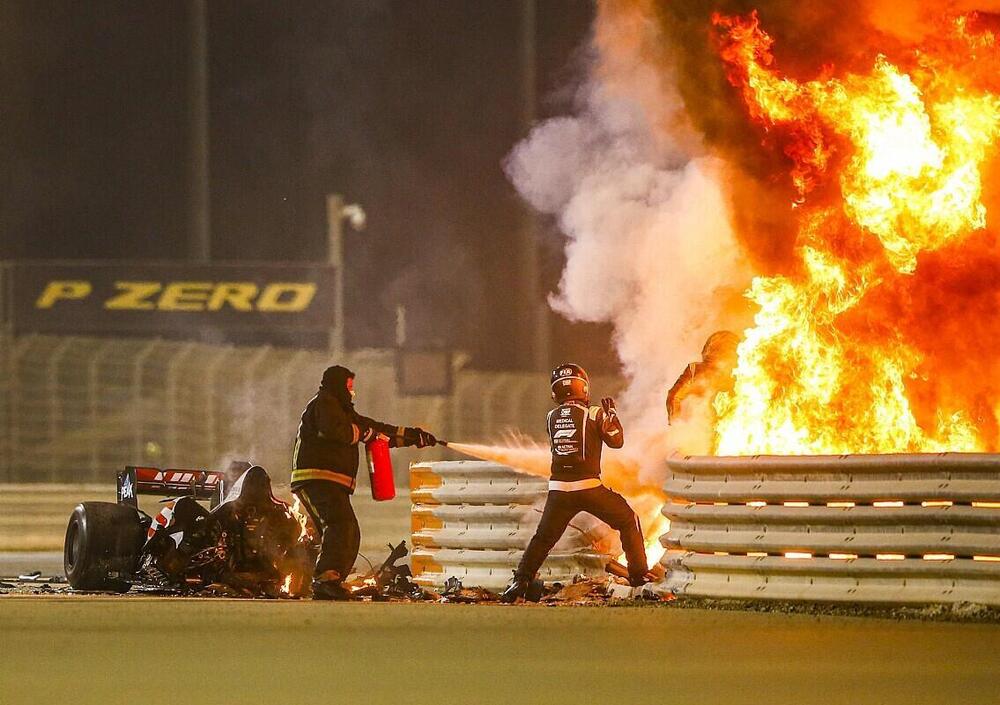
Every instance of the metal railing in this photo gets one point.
(877, 528)
(472, 520)
(73, 408)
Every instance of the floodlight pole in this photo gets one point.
(536, 312)
(200, 235)
(336, 212)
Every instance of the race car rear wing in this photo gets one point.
(175, 482)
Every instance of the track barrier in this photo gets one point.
(472, 520)
(902, 529)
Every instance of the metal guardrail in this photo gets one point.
(472, 520)
(906, 528)
(73, 408)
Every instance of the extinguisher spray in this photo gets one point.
(380, 470)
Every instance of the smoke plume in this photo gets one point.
(649, 246)
(671, 199)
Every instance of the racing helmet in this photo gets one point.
(570, 382)
(721, 345)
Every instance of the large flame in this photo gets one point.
(888, 166)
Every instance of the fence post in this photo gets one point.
(6, 421)
(488, 424)
(248, 432)
(289, 409)
(6, 351)
(53, 403)
(16, 402)
(211, 408)
(138, 420)
(93, 403)
(173, 411)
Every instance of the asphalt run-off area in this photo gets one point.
(106, 649)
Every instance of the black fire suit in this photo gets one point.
(577, 434)
(325, 468)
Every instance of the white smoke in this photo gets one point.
(649, 246)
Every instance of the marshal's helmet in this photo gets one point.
(570, 383)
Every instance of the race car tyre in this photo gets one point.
(103, 542)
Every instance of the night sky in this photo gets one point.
(407, 107)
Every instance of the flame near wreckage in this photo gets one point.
(880, 338)
(876, 337)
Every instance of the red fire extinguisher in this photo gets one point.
(380, 470)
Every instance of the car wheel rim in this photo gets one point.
(72, 545)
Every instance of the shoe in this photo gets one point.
(534, 591)
(330, 590)
(517, 588)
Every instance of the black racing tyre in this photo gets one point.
(103, 542)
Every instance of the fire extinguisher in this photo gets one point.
(380, 470)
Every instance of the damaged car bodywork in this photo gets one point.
(246, 540)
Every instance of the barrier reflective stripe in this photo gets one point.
(472, 519)
(908, 528)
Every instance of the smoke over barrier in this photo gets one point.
(649, 246)
(671, 197)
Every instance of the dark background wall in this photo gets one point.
(407, 107)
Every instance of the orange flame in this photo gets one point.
(888, 166)
(296, 512)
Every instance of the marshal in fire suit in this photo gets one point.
(325, 469)
(707, 378)
(577, 433)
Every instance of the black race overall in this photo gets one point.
(577, 434)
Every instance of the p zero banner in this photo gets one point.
(95, 297)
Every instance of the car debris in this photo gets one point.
(583, 590)
(617, 591)
(389, 582)
(456, 593)
(247, 540)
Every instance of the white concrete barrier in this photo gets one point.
(472, 520)
(867, 528)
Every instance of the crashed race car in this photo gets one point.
(247, 541)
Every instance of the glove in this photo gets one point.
(609, 406)
(418, 437)
(426, 439)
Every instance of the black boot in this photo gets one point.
(330, 590)
(518, 587)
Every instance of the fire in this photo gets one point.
(296, 511)
(887, 165)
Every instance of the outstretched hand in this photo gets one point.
(426, 439)
(416, 436)
(609, 405)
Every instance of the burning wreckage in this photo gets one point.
(247, 543)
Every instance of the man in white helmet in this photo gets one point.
(577, 434)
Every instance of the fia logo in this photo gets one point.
(565, 411)
(127, 488)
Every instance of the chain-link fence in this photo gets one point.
(75, 408)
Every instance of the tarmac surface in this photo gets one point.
(141, 649)
(105, 649)
(14, 563)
